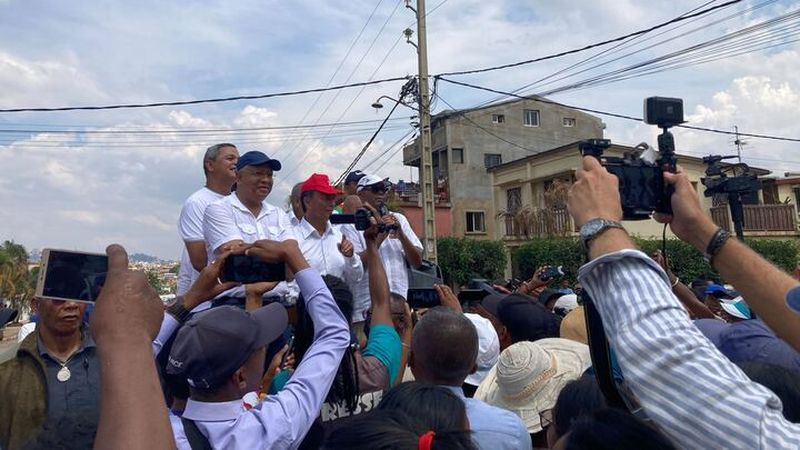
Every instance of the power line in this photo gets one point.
(610, 114)
(590, 46)
(207, 100)
(194, 130)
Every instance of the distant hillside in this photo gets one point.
(141, 257)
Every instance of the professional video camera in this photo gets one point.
(718, 181)
(641, 180)
(361, 219)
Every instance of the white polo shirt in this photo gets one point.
(228, 220)
(190, 228)
(394, 262)
(322, 253)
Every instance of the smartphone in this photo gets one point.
(249, 269)
(552, 272)
(288, 352)
(422, 298)
(69, 275)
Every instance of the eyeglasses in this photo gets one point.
(378, 189)
(546, 418)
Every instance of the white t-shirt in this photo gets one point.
(190, 228)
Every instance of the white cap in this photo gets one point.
(488, 348)
(369, 180)
(566, 303)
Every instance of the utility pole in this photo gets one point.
(738, 143)
(426, 157)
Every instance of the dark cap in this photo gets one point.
(7, 315)
(213, 344)
(526, 319)
(354, 176)
(491, 302)
(256, 158)
(549, 294)
(720, 291)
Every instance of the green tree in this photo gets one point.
(16, 286)
(155, 280)
(462, 259)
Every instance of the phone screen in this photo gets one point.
(73, 276)
(249, 269)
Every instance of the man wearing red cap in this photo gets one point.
(323, 245)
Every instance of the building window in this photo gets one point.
(492, 159)
(568, 122)
(458, 155)
(498, 118)
(475, 222)
(513, 200)
(530, 118)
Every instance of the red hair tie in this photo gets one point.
(426, 440)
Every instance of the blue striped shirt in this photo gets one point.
(687, 387)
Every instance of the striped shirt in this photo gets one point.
(687, 387)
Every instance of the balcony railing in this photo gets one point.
(541, 223)
(759, 218)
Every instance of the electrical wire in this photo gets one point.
(590, 46)
(617, 115)
(206, 100)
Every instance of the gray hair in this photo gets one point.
(212, 153)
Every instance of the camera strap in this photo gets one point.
(601, 354)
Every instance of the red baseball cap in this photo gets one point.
(320, 183)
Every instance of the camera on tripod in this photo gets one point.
(641, 181)
(718, 182)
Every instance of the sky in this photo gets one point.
(77, 190)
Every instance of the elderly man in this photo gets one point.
(401, 246)
(52, 382)
(323, 245)
(219, 166)
(245, 216)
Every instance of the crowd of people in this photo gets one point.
(333, 357)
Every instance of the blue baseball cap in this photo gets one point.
(256, 158)
(793, 299)
(354, 177)
(718, 291)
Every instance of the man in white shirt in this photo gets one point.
(219, 165)
(324, 246)
(400, 246)
(245, 217)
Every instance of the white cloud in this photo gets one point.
(84, 191)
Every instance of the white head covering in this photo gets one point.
(488, 348)
(529, 376)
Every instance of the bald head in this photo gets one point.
(351, 204)
(294, 200)
(444, 347)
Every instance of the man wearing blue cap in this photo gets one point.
(245, 216)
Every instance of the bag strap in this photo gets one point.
(195, 437)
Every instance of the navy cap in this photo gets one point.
(354, 176)
(213, 344)
(7, 315)
(256, 158)
(719, 291)
(526, 319)
(793, 299)
(549, 294)
(491, 303)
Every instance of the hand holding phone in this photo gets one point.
(250, 269)
(69, 275)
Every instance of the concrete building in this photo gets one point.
(527, 202)
(466, 143)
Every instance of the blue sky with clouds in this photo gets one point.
(84, 191)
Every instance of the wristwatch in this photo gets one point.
(594, 228)
(717, 241)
